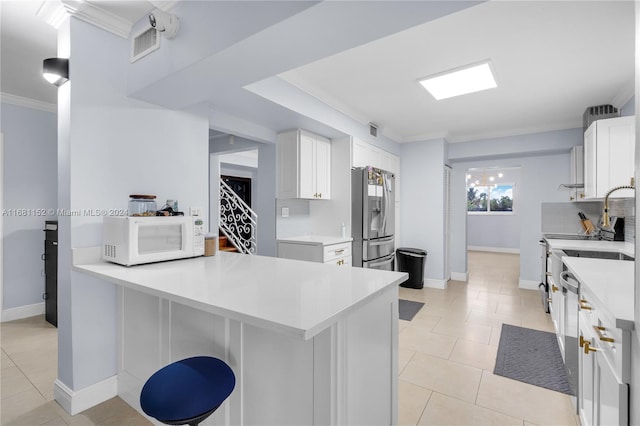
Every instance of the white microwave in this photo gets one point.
(129, 240)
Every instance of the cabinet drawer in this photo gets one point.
(603, 334)
(343, 261)
(337, 251)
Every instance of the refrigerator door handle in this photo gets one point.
(384, 262)
(381, 241)
(385, 199)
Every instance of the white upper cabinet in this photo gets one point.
(365, 154)
(609, 149)
(577, 173)
(304, 165)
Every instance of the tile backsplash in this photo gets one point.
(563, 217)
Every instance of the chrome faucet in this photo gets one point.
(605, 215)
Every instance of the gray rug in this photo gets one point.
(408, 309)
(533, 357)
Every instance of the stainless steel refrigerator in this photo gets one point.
(373, 218)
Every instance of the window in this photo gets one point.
(490, 191)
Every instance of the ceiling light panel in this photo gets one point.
(469, 79)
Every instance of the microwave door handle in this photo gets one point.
(384, 262)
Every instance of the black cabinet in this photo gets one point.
(50, 258)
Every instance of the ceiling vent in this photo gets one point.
(144, 43)
(373, 130)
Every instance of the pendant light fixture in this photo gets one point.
(56, 70)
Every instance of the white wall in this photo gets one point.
(111, 146)
(499, 233)
(30, 170)
(422, 215)
(266, 200)
(634, 394)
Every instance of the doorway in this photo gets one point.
(240, 185)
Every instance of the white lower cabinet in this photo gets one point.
(557, 298)
(604, 369)
(316, 249)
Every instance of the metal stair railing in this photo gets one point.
(238, 222)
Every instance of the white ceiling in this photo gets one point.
(553, 59)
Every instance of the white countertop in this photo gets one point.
(325, 240)
(293, 297)
(593, 245)
(610, 281)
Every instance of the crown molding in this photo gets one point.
(54, 12)
(8, 98)
(624, 95)
(164, 5)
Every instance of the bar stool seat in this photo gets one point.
(187, 391)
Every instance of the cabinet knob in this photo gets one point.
(588, 348)
(599, 329)
(582, 195)
(571, 198)
(582, 341)
(554, 288)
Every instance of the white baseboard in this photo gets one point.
(460, 276)
(495, 249)
(528, 284)
(441, 284)
(20, 312)
(75, 402)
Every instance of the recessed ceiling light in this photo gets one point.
(460, 81)
(500, 175)
(491, 178)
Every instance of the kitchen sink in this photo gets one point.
(569, 237)
(597, 254)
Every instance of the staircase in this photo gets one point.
(225, 245)
(238, 223)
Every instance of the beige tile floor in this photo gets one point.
(448, 351)
(447, 354)
(29, 366)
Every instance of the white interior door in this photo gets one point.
(447, 223)
(1, 221)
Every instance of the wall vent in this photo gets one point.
(144, 43)
(373, 130)
(598, 112)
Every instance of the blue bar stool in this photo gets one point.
(187, 391)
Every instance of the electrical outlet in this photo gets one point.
(195, 211)
(285, 212)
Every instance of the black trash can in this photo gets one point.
(412, 260)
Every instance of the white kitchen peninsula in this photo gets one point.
(605, 322)
(309, 343)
